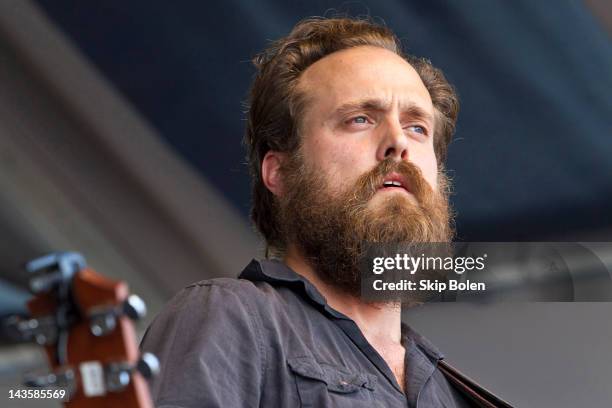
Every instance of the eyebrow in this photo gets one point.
(376, 104)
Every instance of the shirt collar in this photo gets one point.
(432, 352)
(277, 273)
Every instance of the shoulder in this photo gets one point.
(207, 313)
(235, 285)
(208, 332)
(221, 294)
(219, 298)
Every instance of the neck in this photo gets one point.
(379, 322)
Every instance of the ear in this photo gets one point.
(271, 173)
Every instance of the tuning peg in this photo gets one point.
(117, 375)
(40, 381)
(103, 320)
(134, 307)
(148, 365)
(61, 378)
(53, 269)
(42, 329)
(102, 324)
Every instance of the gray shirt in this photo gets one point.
(269, 339)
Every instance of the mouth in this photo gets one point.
(395, 182)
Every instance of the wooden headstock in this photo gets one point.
(84, 321)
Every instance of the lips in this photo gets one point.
(393, 181)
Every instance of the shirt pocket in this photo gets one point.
(323, 385)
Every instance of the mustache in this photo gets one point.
(369, 183)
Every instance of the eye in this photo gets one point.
(418, 129)
(360, 120)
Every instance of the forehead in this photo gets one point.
(363, 72)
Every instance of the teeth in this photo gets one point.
(397, 183)
(392, 184)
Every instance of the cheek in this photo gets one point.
(431, 172)
(427, 162)
(340, 161)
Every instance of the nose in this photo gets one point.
(394, 143)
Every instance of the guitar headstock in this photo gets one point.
(84, 321)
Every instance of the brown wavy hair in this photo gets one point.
(275, 105)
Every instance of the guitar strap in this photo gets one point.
(470, 388)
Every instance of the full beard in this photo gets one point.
(333, 230)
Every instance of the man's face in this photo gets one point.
(367, 127)
(364, 105)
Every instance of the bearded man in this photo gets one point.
(346, 140)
